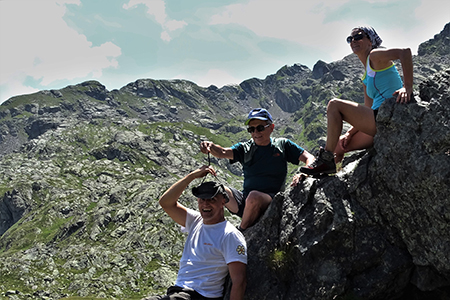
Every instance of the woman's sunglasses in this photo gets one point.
(258, 128)
(356, 37)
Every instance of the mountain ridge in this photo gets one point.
(82, 169)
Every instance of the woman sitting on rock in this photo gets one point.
(381, 81)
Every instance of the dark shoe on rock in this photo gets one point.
(324, 164)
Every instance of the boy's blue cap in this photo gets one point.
(260, 114)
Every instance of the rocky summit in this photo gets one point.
(82, 169)
(380, 229)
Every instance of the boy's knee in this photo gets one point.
(256, 198)
(252, 199)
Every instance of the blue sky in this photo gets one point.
(51, 44)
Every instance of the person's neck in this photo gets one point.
(363, 57)
(213, 222)
(265, 143)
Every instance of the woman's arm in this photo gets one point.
(367, 100)
(407, 66)
(382, 58)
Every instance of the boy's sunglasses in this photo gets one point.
(356, 37)
(258, 128)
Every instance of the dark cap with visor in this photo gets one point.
(260, 114)
(208, 190)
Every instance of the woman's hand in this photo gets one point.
(404, 95)
(344, 140)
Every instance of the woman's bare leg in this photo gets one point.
(359, 116)
(359, 140)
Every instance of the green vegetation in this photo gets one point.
(39, 98)
(24, 235)
(281, 260)
(278, 258)
(92, 226)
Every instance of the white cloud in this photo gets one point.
(297, 21)
(215, 77)
(42, 46)
(429, 18)
(15, 87)
(157, 9)
(285, 19)
(165, 36)
(304, 22)
(433, 14)
(173, 25)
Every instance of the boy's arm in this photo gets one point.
(238, 275)
(216, 150)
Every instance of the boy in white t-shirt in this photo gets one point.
(213, 248)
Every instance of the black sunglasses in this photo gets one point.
(258, 128)
(356, 37)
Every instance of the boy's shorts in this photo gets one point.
(240, 199)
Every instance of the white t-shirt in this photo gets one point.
(207, 252)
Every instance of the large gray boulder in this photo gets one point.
(380, 229)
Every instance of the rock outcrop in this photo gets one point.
(380, 229)
(438, 45)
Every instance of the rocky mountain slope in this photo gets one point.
(380, 229)
(82, 169)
